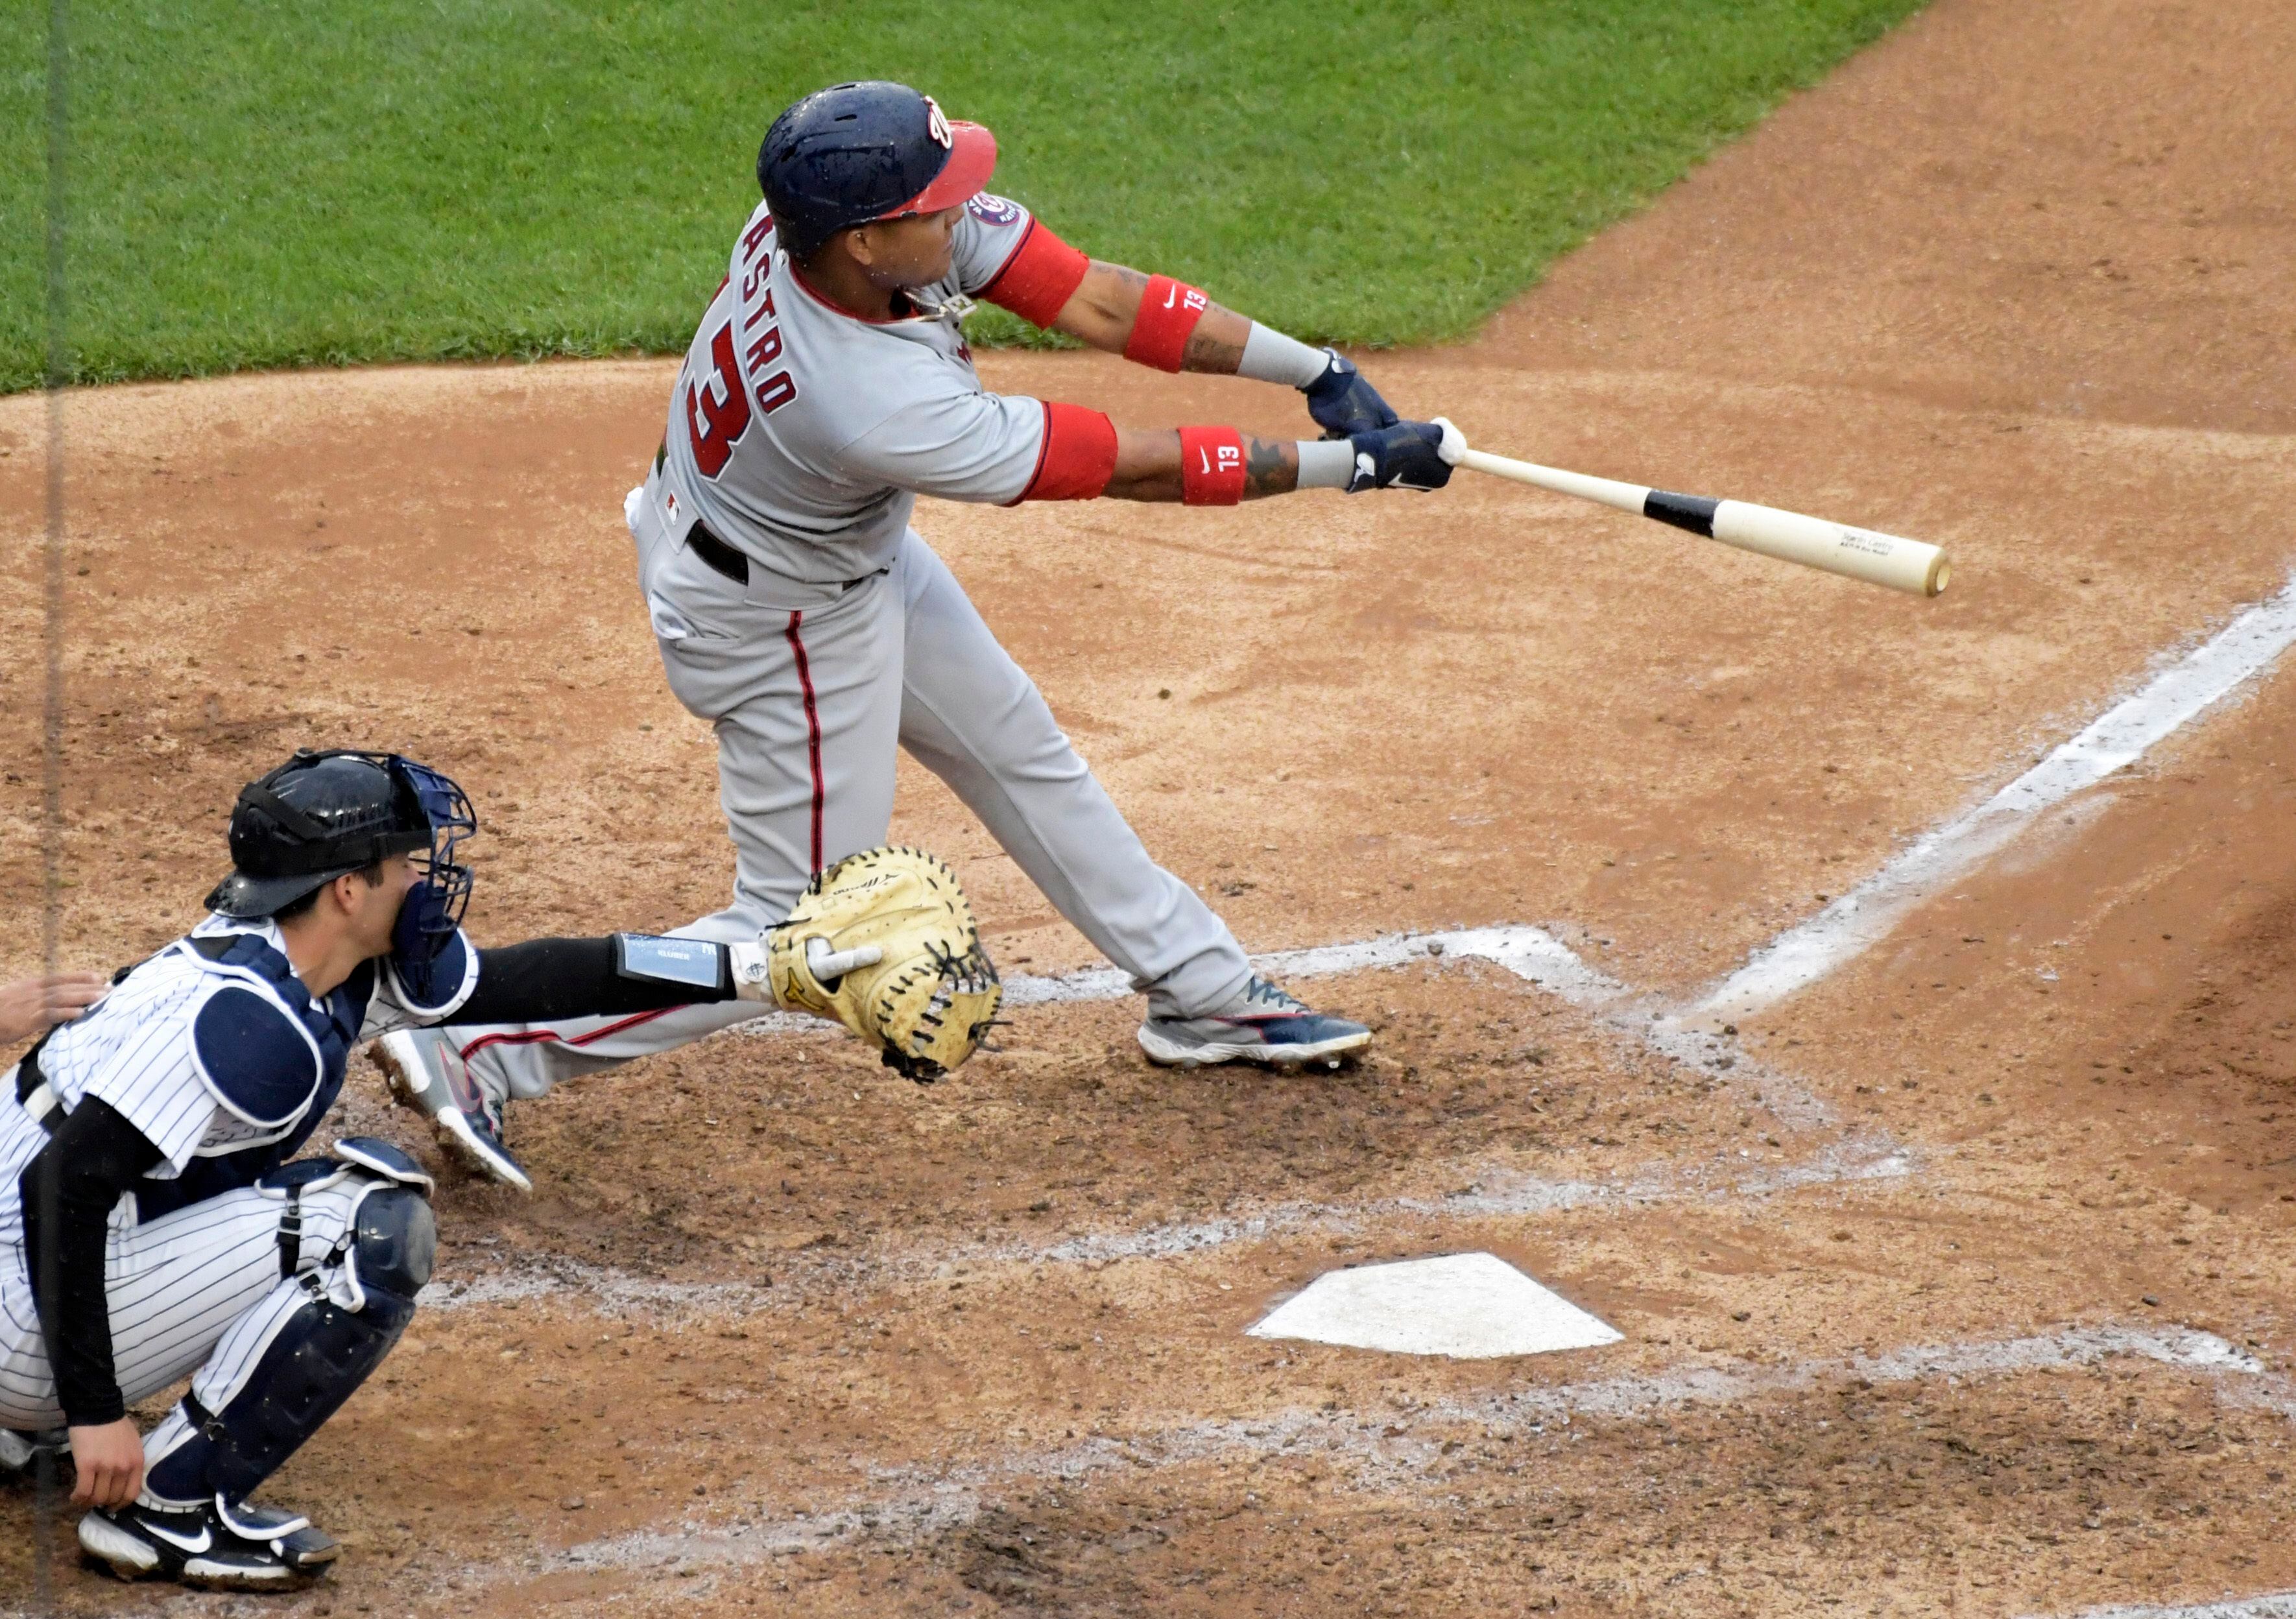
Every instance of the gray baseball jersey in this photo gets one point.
(802, 435)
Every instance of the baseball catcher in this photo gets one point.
(828, 385)
(155, 1218)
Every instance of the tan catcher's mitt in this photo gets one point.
(926, 1003)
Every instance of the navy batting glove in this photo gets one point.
(1399, 457)
(1343, 404)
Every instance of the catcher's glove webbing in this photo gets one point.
(927, 1003)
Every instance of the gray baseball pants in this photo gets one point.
(811, 688)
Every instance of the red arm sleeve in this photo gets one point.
(1039, 278)
(1079, 455)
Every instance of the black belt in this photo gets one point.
(720, 557)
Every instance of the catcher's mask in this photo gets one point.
(324, 814)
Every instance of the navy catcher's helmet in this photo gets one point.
(852, 154)
(323, 815)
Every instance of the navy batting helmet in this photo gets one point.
(852, 154)
(323, 815)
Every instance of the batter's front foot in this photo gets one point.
(426, 1073)
(1263, 1024)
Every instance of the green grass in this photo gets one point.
(262, 184)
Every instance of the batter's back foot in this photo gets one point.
(1263, 1024)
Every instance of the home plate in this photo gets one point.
(1468, 1306)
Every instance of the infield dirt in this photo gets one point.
(778, 1331)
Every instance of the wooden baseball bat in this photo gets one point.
(1867, 553)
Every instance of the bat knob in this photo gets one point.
(1454, 444)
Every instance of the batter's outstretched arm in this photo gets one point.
(1153, 466)
(1105, 310)
(1169, 325)
(1219, 466)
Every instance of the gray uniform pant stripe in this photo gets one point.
(902, 660)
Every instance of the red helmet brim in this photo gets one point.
(971, 159)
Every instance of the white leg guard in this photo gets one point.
(364, 1250)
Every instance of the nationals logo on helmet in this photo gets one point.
(992, 210)
(936, 126)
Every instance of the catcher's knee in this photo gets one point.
(394, 1246)
(371, 1205)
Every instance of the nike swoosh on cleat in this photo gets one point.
(178, 1542)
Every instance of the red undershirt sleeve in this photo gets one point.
(1079, 455)
(1040, 277)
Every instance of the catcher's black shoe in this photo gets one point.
(218, 1546)
(1263, 1024)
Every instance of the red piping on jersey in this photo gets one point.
(536, 1036)
(812, 729)
(1044, 448)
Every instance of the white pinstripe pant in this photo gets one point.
(197, 1289)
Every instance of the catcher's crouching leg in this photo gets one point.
(357, 1241)
(885, 943)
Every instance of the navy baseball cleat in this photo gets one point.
(1263, 1024)
(218, 1546)
(428, 1075)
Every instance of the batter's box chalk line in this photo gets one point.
(2271, 1604)
(1395, 1454)
(1492, 1192)
(1530, 953)
(2173, 698)
(1495, 1191)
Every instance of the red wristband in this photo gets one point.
(1042, 274)
(1211, 466)
(1169, 311)
(1078, 455)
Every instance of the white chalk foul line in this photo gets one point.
(908, 1504)
(2172, 699)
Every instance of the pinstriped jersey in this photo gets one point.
(802, 435)
(212, 1063)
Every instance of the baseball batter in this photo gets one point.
(151, 1224)
(828, 385)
